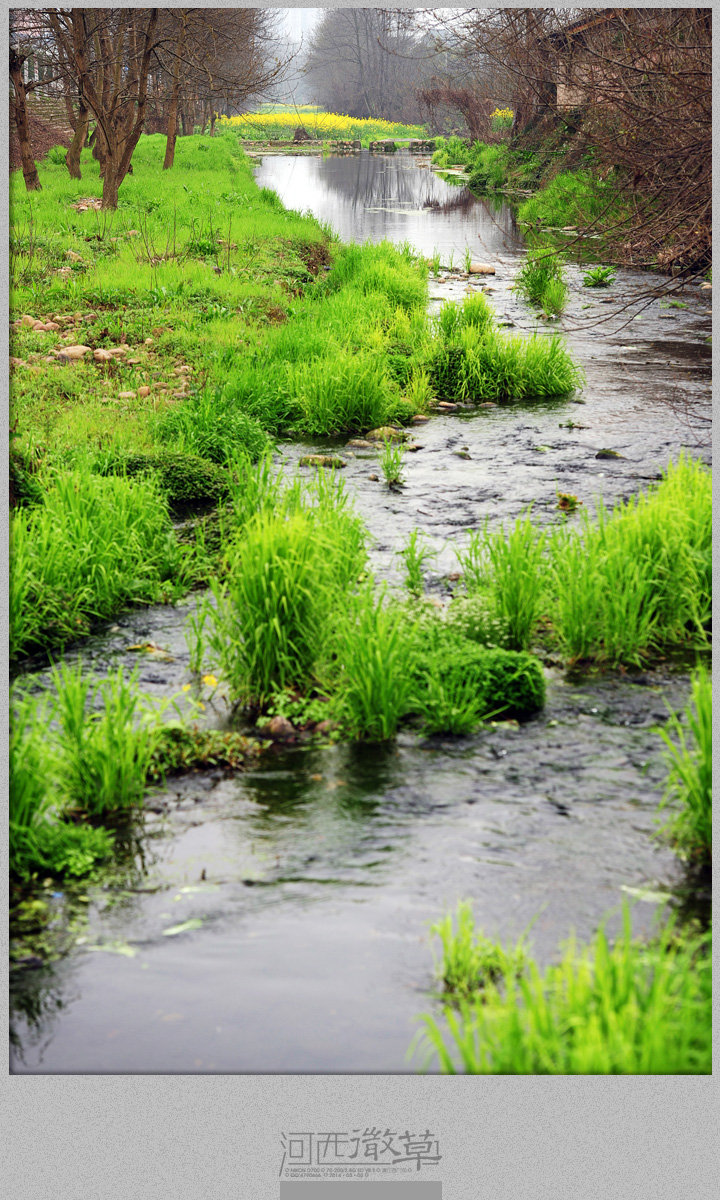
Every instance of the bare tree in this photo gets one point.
(630, 86)
(109, 52)
(364, 62)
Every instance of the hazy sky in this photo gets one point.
(301, 21)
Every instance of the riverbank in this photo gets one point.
(168, 644)
(566, 203)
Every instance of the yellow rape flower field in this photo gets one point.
(269, 126)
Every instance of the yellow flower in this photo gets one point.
(186, 687)
(210, 680)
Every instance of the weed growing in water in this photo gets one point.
(391, 463)
(104, 753)
(368, 675)
(39, 840)
(509, 570)
(469, 959)
(415, 555)
(94, 545)
(622, 1009)
(599, 277)
(688, 789)
(285, 577)
(639, 577)
(541, 280)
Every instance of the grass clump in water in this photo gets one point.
(508, 569)
(285, 577)
(639, 578)
(605, 1009)
(40, 841)
(688, 789)
(94, 545)
(541, 280)
(470, 960)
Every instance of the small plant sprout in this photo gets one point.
(435, 262)
(415, 554)
(567, 502)
(599, 277)
(391, 463)
(468, 259)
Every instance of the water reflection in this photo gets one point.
(374, 198)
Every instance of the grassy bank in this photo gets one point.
(167, 344)
(553, 202)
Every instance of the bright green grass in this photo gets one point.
(617, 1008)
(93, 546)
(541, 280)
(631, 581)
(687, 801)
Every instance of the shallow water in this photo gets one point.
(316, 874)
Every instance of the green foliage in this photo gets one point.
(509, 570)
(186, 479)
(284, 580)
(39, 840)
(470, 960)
(178, 749)
(104, 752)
(638, 578)
(415, 555)
(500, 368)
(25, 487)
(599, 277)
(458, 683)
(347, 393)
(541, 280)
(94, 545)
(573, 198)
(213, 427)
(622, 1009)
(368, 676)
(688, 757)
(391, 463)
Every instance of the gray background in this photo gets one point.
(197, 1138)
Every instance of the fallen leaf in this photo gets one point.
(186, 926)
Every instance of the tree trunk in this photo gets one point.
(72, 158)
(174, 96)
(29, 170)
(111, 184)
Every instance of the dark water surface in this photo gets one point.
(315, 875)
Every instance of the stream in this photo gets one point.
(310, 881)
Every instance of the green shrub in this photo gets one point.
(688, 789)
(622, 1009)
(186, 479)
(458, 683)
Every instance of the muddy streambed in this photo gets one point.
(310, 881)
